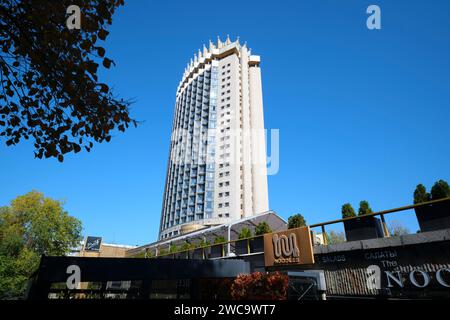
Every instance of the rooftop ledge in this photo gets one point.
(405, 240)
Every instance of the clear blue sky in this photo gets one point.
(362, 114)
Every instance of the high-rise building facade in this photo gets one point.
(217, 164)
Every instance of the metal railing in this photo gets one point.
(379, 213)
(224, 248)
(226, 245)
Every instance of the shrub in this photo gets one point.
(348, 211)
(397, 229)
(139, 255)
(173, 248)
(162, 252)
(245, 233)
(421, 194)
(186, 246)
(219, 240)
(296, 221)
(335, 237)
(262, 228)
(440, 190)
(364, 208)
(260, 286)
(202, 243)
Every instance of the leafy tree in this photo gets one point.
(335, 237)
(440, 190)
(162, 252)
(173, 248)
(202, 243)
(348, 211)
(397, 229)
(49, 87)
(296, 221)
(150, 253)
(421, 194)
(364, 208)
(219, 240)
(31, 226)
(139, 255)
(245, 233)
(262, 228)
(186, 246)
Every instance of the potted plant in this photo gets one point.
(258, 242)
(162, 253)
(243, 245)
(185, 250)
(217, 250)
(363, 227)
(173, 249)
(435, 216)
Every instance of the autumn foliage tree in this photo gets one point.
(49, 87)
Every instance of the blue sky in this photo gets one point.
(362, 114)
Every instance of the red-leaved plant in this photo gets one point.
(260, 286)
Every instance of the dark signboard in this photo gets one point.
(93, 243)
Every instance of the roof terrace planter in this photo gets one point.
(363, 228)
(434, 216)
(246, 246)
(257, 245)
(182, 255)
(198, 253)
(217, 250)
(243, 246)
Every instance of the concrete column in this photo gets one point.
(245, 134)
(259, 170)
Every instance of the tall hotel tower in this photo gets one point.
(217, 164)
